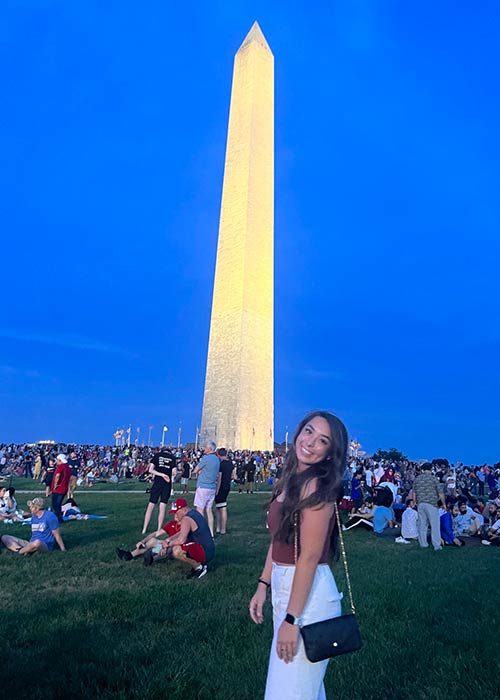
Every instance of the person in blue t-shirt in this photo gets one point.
(384, 523)
(44, 532)
(208, 483)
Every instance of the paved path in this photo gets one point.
(140, 493)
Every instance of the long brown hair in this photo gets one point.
(328, 473)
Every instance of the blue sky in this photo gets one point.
(387, 241)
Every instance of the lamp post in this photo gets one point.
(163, 435)
(286, 439)
(149, 435)
(179, 435)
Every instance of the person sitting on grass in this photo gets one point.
(8, 503)
(44, 529)
(447, 521)
(468, 523)
(363, 518)
(194, 544)
(409, 527)
(489, 514)
(493, 533)
(384, 523)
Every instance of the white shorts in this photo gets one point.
(204, 498)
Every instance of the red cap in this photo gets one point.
(177, 505)
(172, 527)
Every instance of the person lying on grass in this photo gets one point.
(150, 545)
(44, 532)
(193, 544)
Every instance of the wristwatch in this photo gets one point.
(292, 620)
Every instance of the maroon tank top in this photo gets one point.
(283, 553)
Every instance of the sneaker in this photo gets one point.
(124, 554)
(486, 542)
(148, 558)
(401, 540)
(199, 572)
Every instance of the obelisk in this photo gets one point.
(238, 403)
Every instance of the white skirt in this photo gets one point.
(300, 679)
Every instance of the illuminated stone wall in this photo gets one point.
(238, 404)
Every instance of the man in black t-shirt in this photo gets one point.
(163, 468)
(226, 469)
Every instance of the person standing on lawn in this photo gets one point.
(226, 469)
(302, 584)
(44, 532)
(60, 485)
(208, 483)
(74, 464)
(427, 495)
(163, 469)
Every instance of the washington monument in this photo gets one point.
(238, 404)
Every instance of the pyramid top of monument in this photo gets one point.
(255, 35)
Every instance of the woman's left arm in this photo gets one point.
(314, 527)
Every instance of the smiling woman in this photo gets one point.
(302, 584)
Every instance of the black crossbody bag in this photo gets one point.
(337, 635)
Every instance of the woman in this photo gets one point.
(48, 476)
(302, 585)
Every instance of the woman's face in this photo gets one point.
(313, 442)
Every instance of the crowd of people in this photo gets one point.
(402, 501)
(93, 463)
(399, 501)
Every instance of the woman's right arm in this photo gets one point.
(259, 597)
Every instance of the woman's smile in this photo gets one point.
(314, 442)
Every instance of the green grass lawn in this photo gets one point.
(84, 624)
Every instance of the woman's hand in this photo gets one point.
(286, 646)
(257, 603)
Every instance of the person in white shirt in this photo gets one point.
(369, 479)
(467, 521)
(8, 503)
(409, 527)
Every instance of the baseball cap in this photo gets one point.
(177, 505)
(36, 503)
(62, 458)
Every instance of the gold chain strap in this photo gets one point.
(342, 549)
